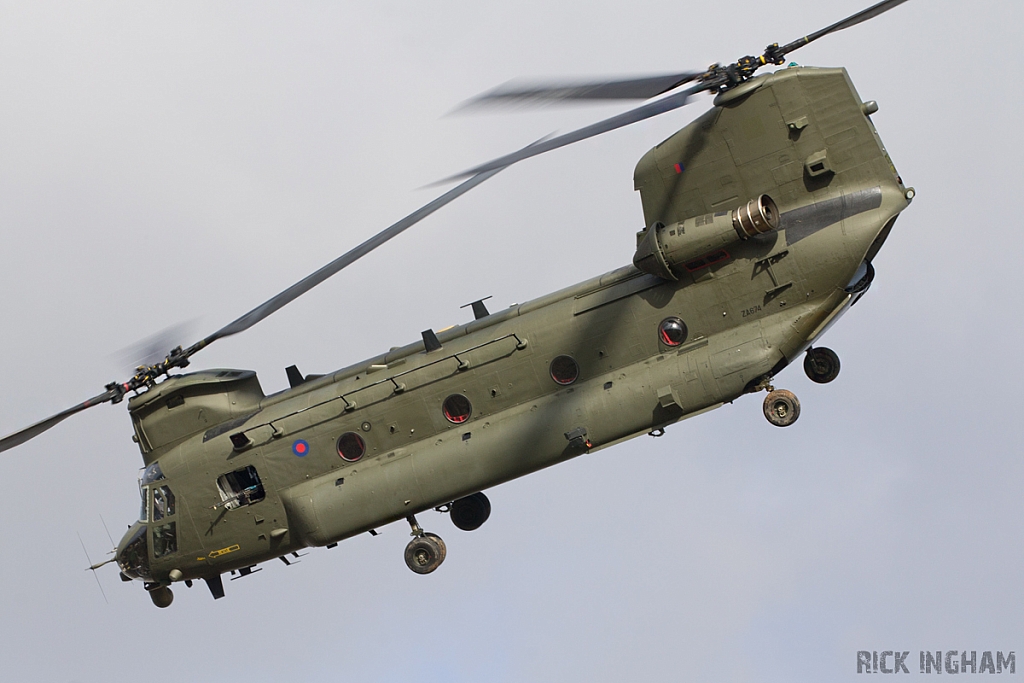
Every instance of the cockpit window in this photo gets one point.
(144, 512)
(165, 540)
(163, 499)
(151, 474)
(163, 503)
(241, 487)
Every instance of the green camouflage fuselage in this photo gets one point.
(800, 135)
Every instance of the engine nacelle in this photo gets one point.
(666, 250)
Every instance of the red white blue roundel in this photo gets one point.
(300, 448)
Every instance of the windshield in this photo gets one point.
(150, 474)
(144, 511)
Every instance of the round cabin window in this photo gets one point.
(351, 446)
(457, 408)
(672, 331)
(564, 370)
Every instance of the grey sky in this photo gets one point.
(168, 162)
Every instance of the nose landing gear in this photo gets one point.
(425, 551)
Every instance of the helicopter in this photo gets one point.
(763, 217)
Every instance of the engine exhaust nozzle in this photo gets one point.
(756, 217)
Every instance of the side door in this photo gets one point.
(244, 521)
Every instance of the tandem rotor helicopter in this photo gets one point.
(763, 217)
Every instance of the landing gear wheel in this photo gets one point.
(425, 553)
(471, 512)
(821, 365)
(781, 407)
(440, 542)
(162, 596)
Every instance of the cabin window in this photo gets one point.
(241, 487)
(351, 446)
(672, 331)
(564, 370)
(163, 503)
(457, 408)
(165, 540)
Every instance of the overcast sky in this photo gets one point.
(169, 162)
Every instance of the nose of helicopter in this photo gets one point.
(133, 553)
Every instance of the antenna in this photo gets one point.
(93, 567)
(109, 537)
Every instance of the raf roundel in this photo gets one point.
(300, 448)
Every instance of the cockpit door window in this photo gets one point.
(165, 536)
(165, 539)
(163, 502)
(147, 476)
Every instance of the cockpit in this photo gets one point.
(156, 520)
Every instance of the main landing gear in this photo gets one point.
(425, 551)
(781, 407)
(821, 365)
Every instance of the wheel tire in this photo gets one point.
(471, 512)
(821, 365)
(425, 553)
(781, 408)
(162, 596)
(440, 544)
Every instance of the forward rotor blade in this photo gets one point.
(627, 89)
(646, 111)
(179, 358)
(154, 348)
(853, 20)
(18, 438)
(310, 281)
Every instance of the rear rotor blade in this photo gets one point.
(18, 438)
(646, 111)
(626, 89)
(853, 20)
